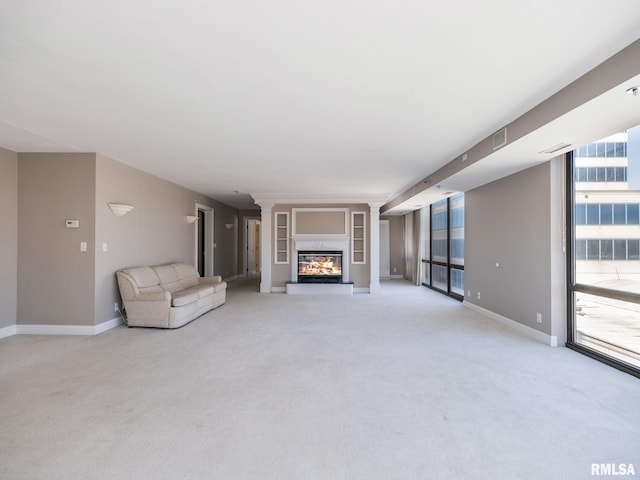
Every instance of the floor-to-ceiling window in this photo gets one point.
(604, 269)
(443, 246)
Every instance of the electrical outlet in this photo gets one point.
(115, 307)
(478, 295)
(539, 317)
(468, 293)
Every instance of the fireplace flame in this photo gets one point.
(320, 266)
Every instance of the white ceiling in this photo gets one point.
(334, 97)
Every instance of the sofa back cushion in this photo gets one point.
(143, 276)
(189, 276)
(168, 276)
(137, 279)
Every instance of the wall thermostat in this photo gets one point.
(72, 223)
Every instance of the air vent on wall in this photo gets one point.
(500, 138)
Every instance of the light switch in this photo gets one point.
(83, 246)
(105, 247)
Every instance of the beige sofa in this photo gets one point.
(168, 296)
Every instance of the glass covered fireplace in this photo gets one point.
(319, 266)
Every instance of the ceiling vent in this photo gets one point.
(500, 138)
(556, 148)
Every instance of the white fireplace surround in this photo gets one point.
(266, 201)
(320, 243)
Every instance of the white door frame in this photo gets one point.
(208, 238)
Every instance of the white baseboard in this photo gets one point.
(8, 331)
(55, 330)
(360, 289)
(532, 333)
(278, 289)
(108, 325)
(231, 279)
(397, 277)
(84, 330)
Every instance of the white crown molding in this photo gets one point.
(373, 199)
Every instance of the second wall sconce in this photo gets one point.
(120, 209)
(192, 219)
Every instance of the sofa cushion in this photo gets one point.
(166, 273)
(143, 276)
(189, 276)
(200, 290)
(184, 270)
(184, 298)
(189, 282)
(169, 280)
(219, 287)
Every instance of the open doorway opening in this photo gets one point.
(251, 246)
(204, 240)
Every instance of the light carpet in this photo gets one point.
(408, 384)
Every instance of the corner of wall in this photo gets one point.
(9, 241)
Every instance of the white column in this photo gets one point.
(266, 233)
(374, 242)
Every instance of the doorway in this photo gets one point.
(252, 246)
(204, 240)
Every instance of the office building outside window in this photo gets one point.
(443, 246)
(604, 283)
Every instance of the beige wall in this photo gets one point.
(321, 222)
(517, 221)
(8, 237)
(154, 232)
(57, 284)
(55, 279)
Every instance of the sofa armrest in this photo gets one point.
(207, 280)
(153, 296)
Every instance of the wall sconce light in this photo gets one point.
(228, 226)
(120, 209)
(192, 219)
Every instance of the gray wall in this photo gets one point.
(517, 221)
(154, 232)
(226, 261)
(55, 279)
(8, 237)
(56, 283)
